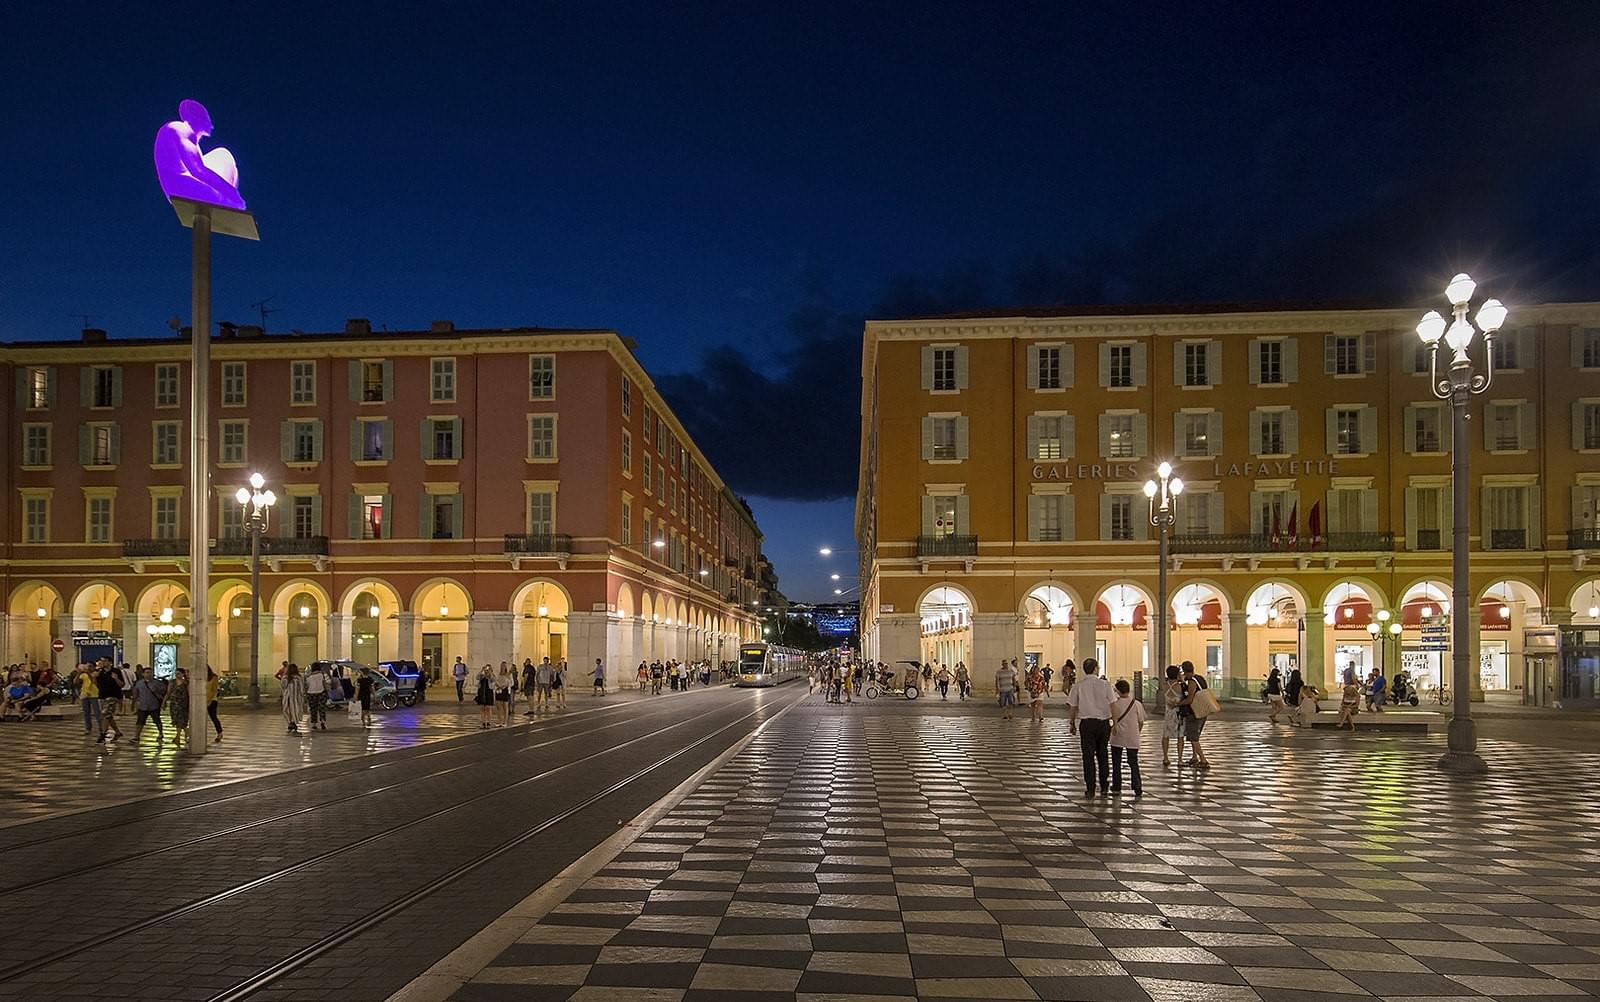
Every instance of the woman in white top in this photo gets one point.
(1127, 719)
(503, 684)
(1171, 723)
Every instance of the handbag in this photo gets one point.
(1204, 704)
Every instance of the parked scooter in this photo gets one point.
(1401, 690)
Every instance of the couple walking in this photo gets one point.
(1107, 721)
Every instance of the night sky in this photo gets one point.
(737, 186)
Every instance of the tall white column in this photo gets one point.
(1313, 656)
(1235, 646)
(1084, 625)
(995, 635)
(338, 635)
(899, 639)
(489, 637)
(586, 640)
(405, 640)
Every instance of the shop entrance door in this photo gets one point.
(1351, 662)
(1492, 671)
(432, 652)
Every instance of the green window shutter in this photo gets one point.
(116, 386)
(354, 515)
(1255, 432)
(388, 516)
(1488, 427)
(1069, 436)
(1214, 434)
(1255, 361)
(1033, 366)
(1369, 429)
(1291, 359)
(1033, 436)
(1484, 526)
(22, 386)
(50, 386)
(1411, 518)
(961, 367)
(86, 386)
(1409, 432)
(1214, 511)
(116, 444)
(927, 515)
(1330, 424)
(1577, 516)
(927, 437)
(316, 440)
(962, 449)
(1140, 519)
(286, 441)
(1105, 515)
(1177, 433)
(1577, 336)
(1068, 365)
(1528, 425)
(456, 439)
(1330, 355)
(425, 517)
(1535, 522)
(426, 435)
(1141, 436)
(1140, 365)
(355, 441)
(1335, 517)
(1291, 431)
(459, 508)
(1069, 518)
(1369, 353)
(1369, 511)
(1035, 503)
(355, 382)
(963, 515)
(1577, 424)
(388, 439)
(1105, 364)
(1214, 362)
(927, 370)
(1105, 435)
(83, 444)
(1177, 363)
(1256, 528)
(388, 380)
(316, 515)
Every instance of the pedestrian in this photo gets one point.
(963, 680)
(422, 686)
(458, 671)
(316, 682)
(89, 700)
(1034, 682)
(656, 672)
(1274, 695)
(110, 682)
(148, 695)
(644, 676)
(504, 682)
(213, 684)
(599, 677)
(1005, 687)
(942, 678)
(178, 706)
(558, 682)
(1069, 675)
(364, 696)
(485, 696)
(1089, 710)
(1377, 691)
(544, 677)
(529, 672)
(1048, 673)
(294, 698)
(1349, 704)
(1292, 691)
(1127, 721)
(927, 676)
(1193, 722)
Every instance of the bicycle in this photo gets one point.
(1441, 694)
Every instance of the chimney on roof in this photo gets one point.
(94, 335)
(442, 326)
(358, 325)
(227, 329)
(250, 330)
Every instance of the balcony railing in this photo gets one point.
(1584, 539)
(1335, 542)
(145, 548)
(1508, 539)
(947, 546)
(546, 543)
(1430, 539)
(732, 562)
(233, 546)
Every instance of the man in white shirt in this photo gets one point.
(317, 694)
(458, 671)
(1090, 702)
(1005, 685)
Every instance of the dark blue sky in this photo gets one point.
(737, 186)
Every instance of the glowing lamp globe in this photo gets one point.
(1431, 329)
(1491, 315)
(242, 495)
(1459, 335)
(1460, 290)
(1149, 488)
(1177, 486)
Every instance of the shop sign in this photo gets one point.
(1251, 469)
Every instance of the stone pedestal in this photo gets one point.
(900, 638)
(1235, 647)
(405, 639)
(994, 636)
(489, 638)
(338, 635)
(1084, 627)
(1314, 653)
(586, 640)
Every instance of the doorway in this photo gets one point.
(1492, 672)
(432, 653)
(1351, 662)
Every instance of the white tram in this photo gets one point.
(769, 664)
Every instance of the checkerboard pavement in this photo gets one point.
(878, 853)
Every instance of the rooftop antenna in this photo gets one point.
(84, 318)
(261, 307)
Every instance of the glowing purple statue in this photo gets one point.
(185, 172)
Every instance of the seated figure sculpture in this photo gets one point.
(185, 172)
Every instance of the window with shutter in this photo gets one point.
(1269, 363)
(1119, 373)
(1050, 367)
(944, 370)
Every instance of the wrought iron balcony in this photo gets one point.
(539, 543)
(1584, 539)
(1334, 542)
(143, 549)
(1430, 539)
(1508, 539)
(947, 546)
(232, 546)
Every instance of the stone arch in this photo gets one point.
(289, 589)
(647, 607)
(944, 589)
(99, 595)
(425, 600)
(1271, 596)
(1354, 594)
(30, 596)
(1191, 604)
(555, 596)
(1032, 598)
(1123, 602)
(388, 598)
(1584, 601)
(159, 595)
(1514, 587)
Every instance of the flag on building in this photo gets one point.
(1294, 524)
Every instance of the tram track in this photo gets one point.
(75, 949)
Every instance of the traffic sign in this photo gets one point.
(58, 645)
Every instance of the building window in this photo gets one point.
(1194, 365)
(1272, 512)
(944, 368)
(1052, 437)
(649, 481)
(231, 524)
(1272, 442)
(303, 516)
(233, 392)
(1506, 518)
(166, 386)
(627, 452)
(444, 380)
(36, 520)
(1119, 444)
(36, 445)
(646, 539)
(661, 435)
(1504, 348)
(166, 452)
(303, 445)
(1344, 352)
(1428, 529)
(542, 437)
(1505, 425)
(372, 442)
(98, 520)
(38, 387)
(233, 442)
(164, 522)
(1421, 358)
(1270, 359)
(541, 513)
(1347, 431)
(1425, 422)
(1196, 508)
(1590, 426)
(661, 479)
(1196, 428)
(627, 522)
(627, 397)
(646, 420)
(1590, 354)
(541, 377)
(1120, 373)
(1050, 368)
(944, 438)
(444, 517)
(101, 452)
(944, 515)
(303, 382)
(1052, 519)
(103, 386)
(1121, 527)
(444, 438)
(372, 382)
(1344, 510)
(372, 516)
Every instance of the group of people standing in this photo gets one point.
(678, 676)
(105, 691)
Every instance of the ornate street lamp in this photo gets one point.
(1163, 515)
(1458, 385)
(256, 503)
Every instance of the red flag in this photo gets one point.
(1277, 536)
(1314, 524)
(1294, 524)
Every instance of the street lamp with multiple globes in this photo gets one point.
(1381, 630)
(256, 503)
(1458, 385)
(1163, 516)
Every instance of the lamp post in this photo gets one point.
(1458, 385)
(1381, 630)
(256, 503)
(1163, 515)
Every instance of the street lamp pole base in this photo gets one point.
(1463, 763)
(254, 700)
